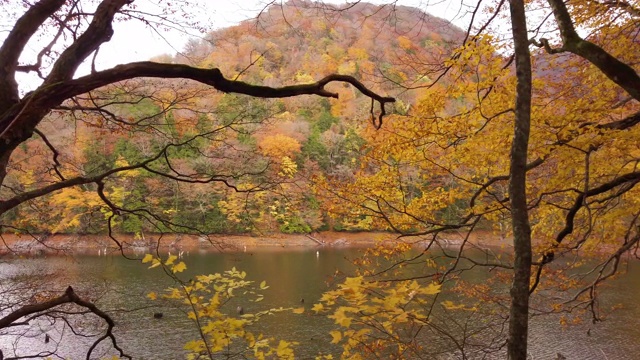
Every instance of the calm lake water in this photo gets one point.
(292, 275)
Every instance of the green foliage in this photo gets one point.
(315, 150)
(209, 219)
(245, 138)
(143, 107)
(96, 159)
(232, 107)
(324, 121)
(131, 224)
(295, 225)
(125, 148)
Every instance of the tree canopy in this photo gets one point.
(530, 134)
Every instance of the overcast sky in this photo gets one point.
(133, 41)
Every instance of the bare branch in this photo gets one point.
(69, 296)
(56, 153)
(99, 31)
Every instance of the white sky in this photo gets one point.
(133, 41)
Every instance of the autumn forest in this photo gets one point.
(248, 165)
(357, 117)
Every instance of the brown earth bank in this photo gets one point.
(103, 244)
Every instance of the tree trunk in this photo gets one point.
(519, 314)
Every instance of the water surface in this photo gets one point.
(120, 286)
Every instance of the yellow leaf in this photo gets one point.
(299, 310)
(263, 285)
(336, 336)
(341, 318)
(179, 267)
(432, 289)
(194, 346)
(317, 307)
(152, 295)
(353, 282)
(147, 258)
(171, 259)
(284, 351)
(449, 305)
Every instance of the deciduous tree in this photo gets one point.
(73, 33)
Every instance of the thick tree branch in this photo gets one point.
(99, 31)
(36, 67)
(623, 124)
(212, 77)
(544, 43)
(629, 179)
(620, 73)
(27, 310)
(15, 42)
(21, 120)
(80, 180)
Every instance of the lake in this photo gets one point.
(120, 285)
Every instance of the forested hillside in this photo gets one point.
(237, 164)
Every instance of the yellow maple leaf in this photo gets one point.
(284, 350)
(170, 260)
(432, 289)
(336, 336)
(179, 267)
(317, 307)
(341, 318)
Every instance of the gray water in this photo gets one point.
(119, 286)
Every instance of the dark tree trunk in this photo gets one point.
(519, 314)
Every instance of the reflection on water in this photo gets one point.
(120, 286)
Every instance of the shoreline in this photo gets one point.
(101, 244)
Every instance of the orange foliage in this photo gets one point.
(278, 146)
